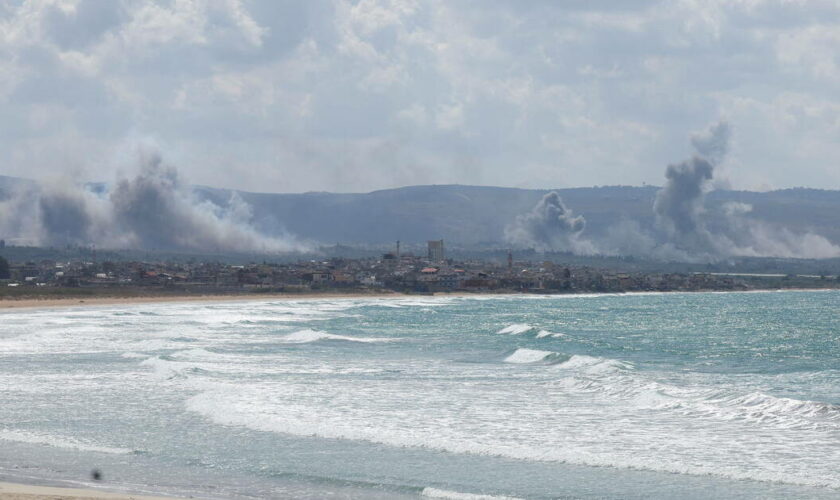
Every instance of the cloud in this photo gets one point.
(462, 90)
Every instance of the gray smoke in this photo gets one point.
(153, 210)
(713, 143)
(19, 216)
(71, 215)
(680, 212)
(679, 206)
(550, 225)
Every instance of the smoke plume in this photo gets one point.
(550, 225)
(679, 206)
(153, 210)
(680, 212)
(713, 143)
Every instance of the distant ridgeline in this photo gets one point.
(477, 219)
(476, 216)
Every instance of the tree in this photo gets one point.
(4, 269)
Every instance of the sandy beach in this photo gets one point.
(57, 302)
(15, 491)
(33, 302)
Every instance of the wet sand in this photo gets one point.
(15, 491)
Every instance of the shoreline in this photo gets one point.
(21, 491)
(106, 300)
(31, 302)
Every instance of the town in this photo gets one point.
(391, 272)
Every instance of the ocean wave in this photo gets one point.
(617, 379)
(228, 408)
(530, 356)
(134, 355)
(457, 495)
(516, 329)
(757, 407)
(546, 333)
(593, 365)
(59, 442)
(165, 368)
(307, 336)
(198, 354)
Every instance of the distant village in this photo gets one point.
(392, 271)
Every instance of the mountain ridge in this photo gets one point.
(476, 216)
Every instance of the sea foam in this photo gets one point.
(527, 356)
(457, 495)
(307, 336)
(516, 329)
(58, 442)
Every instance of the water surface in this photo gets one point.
(591, 396)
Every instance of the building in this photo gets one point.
(436, 251)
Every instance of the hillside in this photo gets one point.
(475, 216)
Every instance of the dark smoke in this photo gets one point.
(679, 204)
(550, 225)
(681, 214)
(69, 216)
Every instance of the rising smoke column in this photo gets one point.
(679, 206)
(680, 212)
(550, 225)
(713, 143)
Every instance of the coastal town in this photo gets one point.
(392, 271)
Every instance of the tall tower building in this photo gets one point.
(436, 251)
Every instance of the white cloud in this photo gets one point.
(358, 95)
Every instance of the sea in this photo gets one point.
(689, 395)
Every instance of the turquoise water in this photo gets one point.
(601, 396)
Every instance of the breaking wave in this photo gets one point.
(59, 442)
(530, 356)
(307, 336)
(516, 329)
(457, 495)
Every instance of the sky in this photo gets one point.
(353, 96)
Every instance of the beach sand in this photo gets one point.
(49, 302)
(14, 491)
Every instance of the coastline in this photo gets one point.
(31, 302)
(105, 300)
(19, 491)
